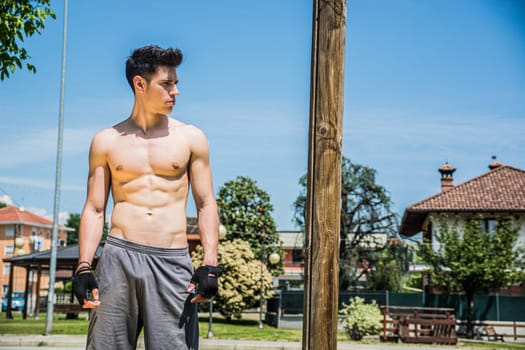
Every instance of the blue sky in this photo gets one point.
(426, 82)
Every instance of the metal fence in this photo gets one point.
(486, 307)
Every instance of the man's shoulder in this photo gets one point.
(185, 128)
(105, 134)
(102, 140)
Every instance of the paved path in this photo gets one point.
(17, 342)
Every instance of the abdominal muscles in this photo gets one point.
(151, 210)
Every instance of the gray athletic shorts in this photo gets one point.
(143, 287)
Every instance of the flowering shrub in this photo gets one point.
(240, 280)
(361, 319)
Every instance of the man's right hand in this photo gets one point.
(83, 283)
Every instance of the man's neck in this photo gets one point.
(144, 120)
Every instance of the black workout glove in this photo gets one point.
(205, 279)
(84, 282)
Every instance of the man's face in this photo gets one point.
(161, 90)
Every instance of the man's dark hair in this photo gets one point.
(144, 61)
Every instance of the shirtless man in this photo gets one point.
(144, 278)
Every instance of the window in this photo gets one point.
(488, 225)
(10, 231)
(39, 241)
(6, 269)
(8, 250)
(297, 256)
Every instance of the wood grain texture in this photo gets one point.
(324, 175)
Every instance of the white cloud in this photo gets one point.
(38, 183)
(26, 182)
(6, 199)
(62, 216)
(41, 145)
(402, 134)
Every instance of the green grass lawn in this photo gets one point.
(494, 346)
(236, 329)
(32, 326)
(246, 329)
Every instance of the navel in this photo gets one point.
(119, 167)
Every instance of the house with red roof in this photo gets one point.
(498, 192)
(23, 232)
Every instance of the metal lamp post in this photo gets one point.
(274, 258)
(210, 323)
(58, 178)
(222, 234)
(262, 286)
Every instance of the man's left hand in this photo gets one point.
(204, 283)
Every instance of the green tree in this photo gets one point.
(366, 213)
(240, 281)
(391, 267)
(412, 282)
(474, 261)
(20, 19)
(74, 222)
(245, 211)
(387, 272)
(3, 205)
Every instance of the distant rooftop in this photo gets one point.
(501, 189)
(15, 215)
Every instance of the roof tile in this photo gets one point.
(500, 189)
(14, 214)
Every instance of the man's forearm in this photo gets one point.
(209, 233)
(90, 234)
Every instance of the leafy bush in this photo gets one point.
(361, 319)
(240, 281)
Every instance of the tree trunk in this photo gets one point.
(470, 315)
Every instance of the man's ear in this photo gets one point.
(139, 83)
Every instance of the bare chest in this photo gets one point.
(133, 156)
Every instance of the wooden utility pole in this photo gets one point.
(323, 210)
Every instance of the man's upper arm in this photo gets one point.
(202, 189)
(199, 169)
(99, 177)
(93, 214)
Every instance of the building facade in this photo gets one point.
(496, 193)
(22, 232)
(293, 264)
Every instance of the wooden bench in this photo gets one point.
(68, 308)
(492, 335)
(419, 324)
